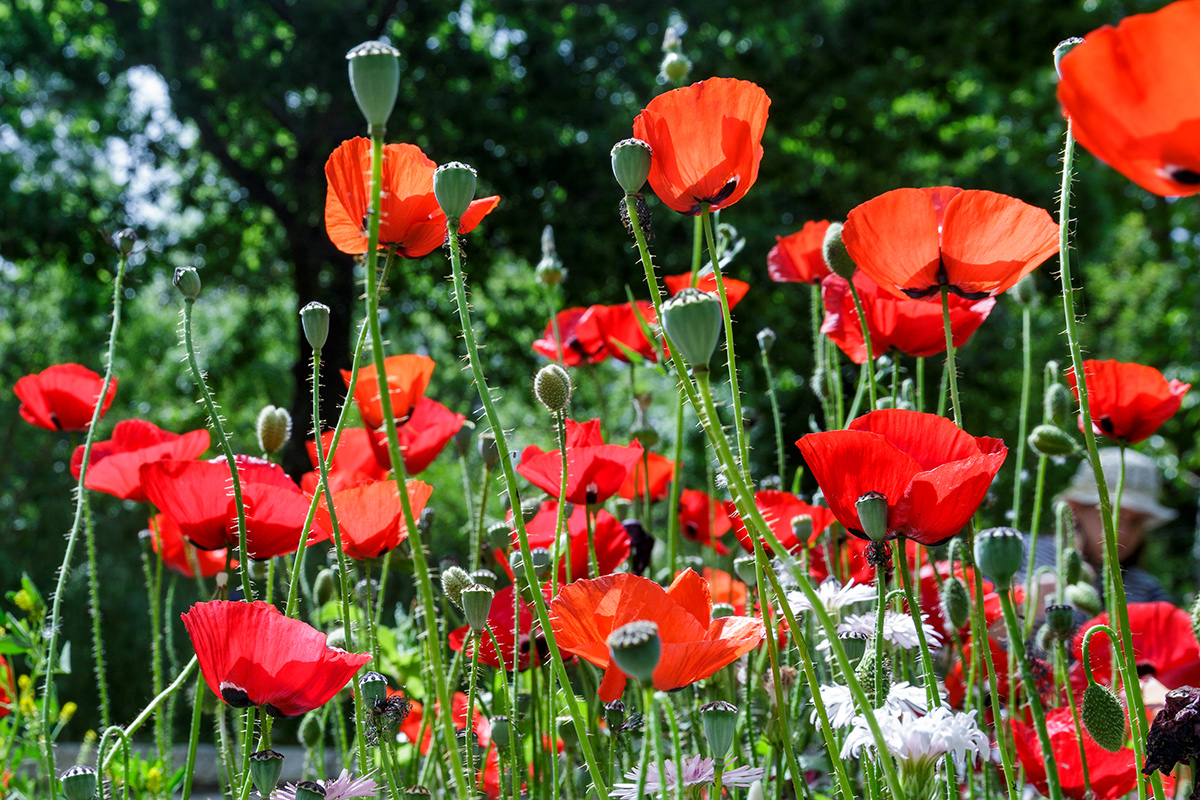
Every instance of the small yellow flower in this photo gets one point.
(68, 710)
(27, 706)
(154, 780)
(24, 601)
(23, 680)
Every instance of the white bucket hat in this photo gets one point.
(1143, 485)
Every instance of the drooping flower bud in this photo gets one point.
(274, 428)
(956, 602)
(476, 603)
(375, 81)
(837, 257)
(454, 187)
(1047, 440)
(631, 164)
(314, 318)
(311, 730)
(1064, 47)
(552, 388)
(265, 768)
(1103, 717)
(187, 281)
(324, 587)
(1000, 553)
(692, 319)
(636, 649)
(374, 687)
(1084, 597)
(454, 581)
(1073, 565)
(124, 240)
(79, 783)
(720, 720)
(873, 515)
(1058, 405)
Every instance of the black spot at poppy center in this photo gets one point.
(1187, 177)
(235, 696)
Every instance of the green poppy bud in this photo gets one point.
(1084, 597)
(500, 535)
(516, 563)
(476, 604)
(636, 649)
(314, 318)
(311, 730)
(720, 720)
(1058, 405)
(746, 570)
(1064, 47)
(956, 602)
(274, 428)
(1061, 621)
(872, 515)
(837, 258)
(1025, 292)
(501, 731)
(187, 281)
(552, 388)
(488, 450)
(766, 340)
(865, 672)
(124, 240)
(373, 687)
(79, 783)
(454, 187)
(1047, 440)
(541, 561)
(614, 714)
(1103, 717)
(631, 164)
(454, 581)
(1000, 553)
(802, 528)
(484, 577)
(324, 587)
(676, 67)
(692, 319)
(309, 790)
(462, 439)
(265, 768)
(722, 610)
(375, 81)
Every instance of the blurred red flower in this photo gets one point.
(725, 589)
(180, 555)
(411, 223)
(620, 328)
(704, 519)
(1128, 401)
(735, 290)
(931, 594)
(799, 257)
(407, 378)
(595, 470)
(1130, 93)
(1111, 775)
(579, 346)
(411, 728)
(662, 470)
(1164, 645)
(852, 555)
(912, 242)
(116, 461)
(779, 509)
(62, 397)
(706, 141)
(611, 539)
(370, 517)
(252, 655)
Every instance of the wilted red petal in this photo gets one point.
(62, 397)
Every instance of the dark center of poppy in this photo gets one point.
(593, 494)
(942, 278)
(235, 696)
(274, 712)
(1106, 425)
(1146, 669)
(728, 189)
(1185, 176)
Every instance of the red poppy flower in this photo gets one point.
(661, 472)
(914, 327)
(956, 684)
(595, 470)
(180, 555)
(196, 495)
(735, 290)
(852, 554)
(620, 329)
(115, 462)
(407, 377)
(252, 655)
(704, 519)
(353, 464)
(62, 397)
(579, 345)
(370, 517)
(411, 222)
(411, 727)
(428, 430)
(779, 509)
(1164, 645)
(1112, 775)
(979, 244)
(725, 589)
(1128, 401)
(501, 624)
(694, 645)
(933, 474)
(7, 690)
(800, 257)
(706, 141)
(1131, 96)
(611, 539)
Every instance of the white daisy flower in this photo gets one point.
(898, 628)
(916, 739)
(833, 595)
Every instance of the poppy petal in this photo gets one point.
(894, 238)
(990, 241)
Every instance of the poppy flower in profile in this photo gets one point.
(595, 470)
(1128, 401)
(704, 519)
(912, 242)
(610, 537)
(1111, 775)
(411, 222)
(735, 290)
(706, 142)
(1131, 95)
(415, 721)
(619, 327)
(914, 327)
(694, 645)
(62, 397)
(799, 257)
(779, 509)
(579, 346)
(196, 495)
(933, 474)
(167, 541)
(428, 430)
(661, 472)
(252, 655)
(407, 378)
(500, 622)
(116, 461)
(370, 517)
(1164, 645)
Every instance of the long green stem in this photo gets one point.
(866, 334)
(676, 493)
(776, 418)
(914, 608)
(1060, 664)
(193, 737)
(951, 368)
(561, 512)
(94, 609)
(51, 660)
(1023, 426)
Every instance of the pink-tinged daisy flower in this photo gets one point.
(697, 771)
(343, 787)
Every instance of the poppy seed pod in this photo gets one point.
(552, 388)
(501, 731)
(265, 768)
(956, 603)
(1000, 553)
(540, 557)
(1103, 717)
(417, 792)
(872, 515)
(314, 318)
(454, 187)
(1047, 440)
(1058, 406)
(836, 256)
(802, 528)
(484, 577)
(187, 281)
(124, 240)
(274, 428)
(309, 790)
(746, 571)
(1061, 621)
(636, 648)
(1073, 566)
(500, 535)
(720, 719)
(722, 610)
(375, 81)
(454, 581)
(476, 603)
(614, 714)
(373, 687)
(79, 783)
(631, 164)
(692, 319)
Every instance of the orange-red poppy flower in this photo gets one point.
(428, 430)
(914, 327)
(704, 519)
(851, 562)
(620, 329)
(116, 461)
(411, 223)
(1164, 645)
(694, 645)
(726, 589)
(735, 290)
(779, 509)
(407, 377)
(595, 470)
(180, 555)
(353, 464)
(979, 244)
(799, 257)
(1128, 401)
(62, 397)
(706, 141)
(415, 721)
(370, 516)
(661, 471)
(1130, 92)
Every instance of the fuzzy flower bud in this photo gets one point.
(956, 602)
(187, 281)
(1103, 717)
(1047, 440)
(454, 581)
(124, 240)
(1084, 597)
(1058, 405)
(552, 387)
(274, 428)
(837, 257)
